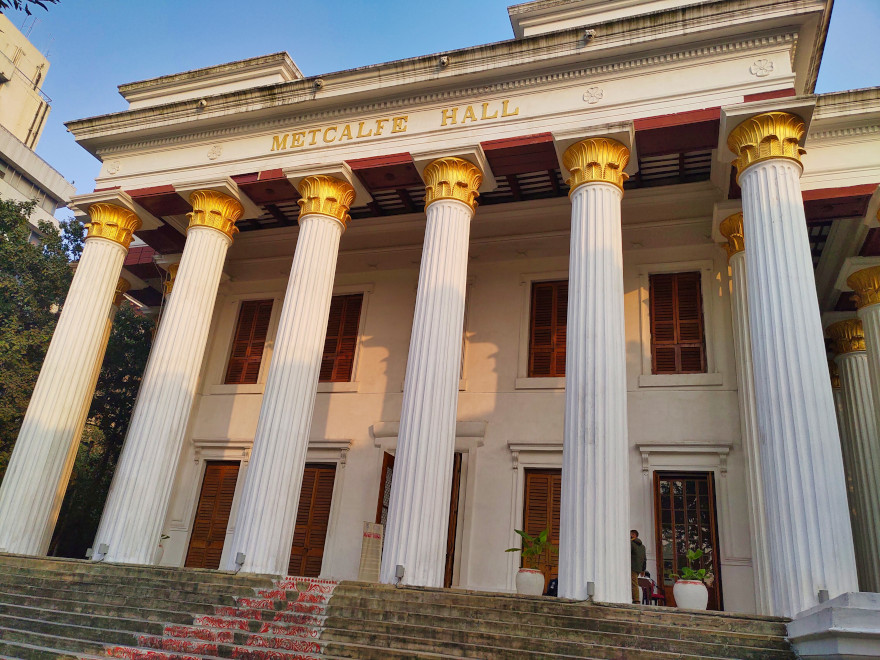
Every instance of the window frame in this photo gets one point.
(711, 377)
(523, 380)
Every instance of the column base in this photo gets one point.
(845, 628)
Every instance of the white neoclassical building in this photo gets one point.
(576, 280)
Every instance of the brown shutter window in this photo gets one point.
(312, 520)
(249, 341)
(542, 506)
(212, 515)
(549, 317)
(678, 342)
(341, 339)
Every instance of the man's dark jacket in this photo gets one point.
(637, 556)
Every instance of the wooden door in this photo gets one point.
(212, 515)
(453, 520)
(541, 511)
(685, 519)
(385, 488)
(312, 519)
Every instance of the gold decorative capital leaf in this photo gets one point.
(326, 195)
(848, 336)
(216, 210)
(452, 178)
(866, 285)
(168, 285)
(835, 374)
(765, 136)
(122, 286)
(596, 160)
(732, 229)
(115, 223)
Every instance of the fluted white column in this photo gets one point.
(861, 447)
(42, 459)
(135, 510)
(267, 515)
(594, 519)
(732, 229)
(418, 515)
(808, 524)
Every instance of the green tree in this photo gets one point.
(34, 278)
(18, 5)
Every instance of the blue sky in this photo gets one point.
(95, 45)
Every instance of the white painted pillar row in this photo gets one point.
(136, 505)
(594, 522)
(418, 514)
(270, 497)
(42, 459)
(861, 447)
(808, 524)
(732, 229)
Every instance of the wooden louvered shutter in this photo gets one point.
(340, 342)
(678, 343)
(212, 515)
(549, 318)
(312, 519)
(542, 506)
(249, 341)
(385, 488)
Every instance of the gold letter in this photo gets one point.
(299, 139)
(279, 142)
(361, 131)
(485, 116)
(314, 134)
(400, 124)
(469, 113)
(327, 130)
(505, 113)
(380, 124)
(346, 133)
(449, 114)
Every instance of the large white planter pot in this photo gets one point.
(529, 582)
(690, 595)
(160, 552)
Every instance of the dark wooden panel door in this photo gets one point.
(452, 528)
(312, 518)
(685, 519)
(542, 504)
(385, 488)
(212, 515)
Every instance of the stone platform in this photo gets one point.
(54, 608)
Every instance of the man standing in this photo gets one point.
(638, 562)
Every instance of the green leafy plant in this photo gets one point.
(533, 547)
(688, 572)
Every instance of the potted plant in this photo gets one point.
(530, 578)
(690, 590)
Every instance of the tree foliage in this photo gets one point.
(18, 5)
(34, 278)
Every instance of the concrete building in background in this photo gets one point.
(24, 176)
(576, 280)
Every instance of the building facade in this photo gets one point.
(24, 176)
(572, 281)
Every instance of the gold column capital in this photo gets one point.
(326, 195)
(115, 223)
(835, 374)
(168, 284)
(452, 178)
(596, 160)
(122, 286)
(848, 336)
(866, 285)
(216, 210)
(732, 229)
(765, 136)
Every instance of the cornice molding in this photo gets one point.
(284, 94)
(852, 131)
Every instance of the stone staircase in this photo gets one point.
(54, 608)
